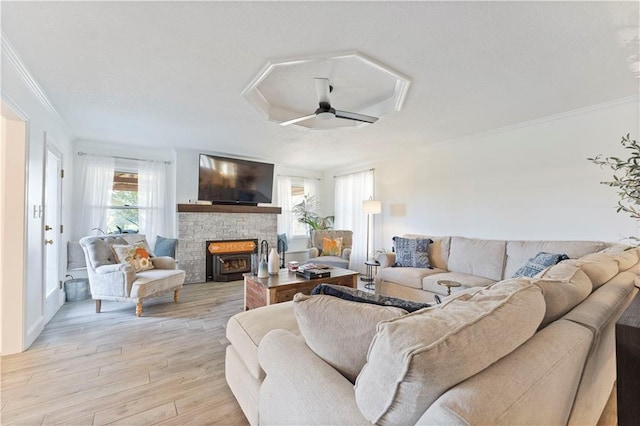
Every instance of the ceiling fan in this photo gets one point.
(325, 111)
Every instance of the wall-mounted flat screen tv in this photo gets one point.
(224, 180)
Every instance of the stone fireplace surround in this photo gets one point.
(198, 224)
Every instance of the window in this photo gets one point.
(291, 191)
(123, 212)
(297, 195)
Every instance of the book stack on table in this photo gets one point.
(311, 271)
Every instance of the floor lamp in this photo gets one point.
(370, 207)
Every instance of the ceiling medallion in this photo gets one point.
(327, 91)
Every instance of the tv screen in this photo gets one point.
(225, 180)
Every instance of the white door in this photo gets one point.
(52, 232)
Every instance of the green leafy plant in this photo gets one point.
(626, 177)
(306, 211)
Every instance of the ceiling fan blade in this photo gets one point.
(295, 120)
(355, 116)
(322, 89)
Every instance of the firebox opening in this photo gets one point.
(227, 260)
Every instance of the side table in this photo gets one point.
(449, 284)
(371, 272)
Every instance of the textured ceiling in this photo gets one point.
(171, 74)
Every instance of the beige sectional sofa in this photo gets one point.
(470, 261)
(520, 351)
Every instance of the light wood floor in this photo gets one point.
(166, 367)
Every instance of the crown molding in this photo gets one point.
(537, 121)
(10, 55)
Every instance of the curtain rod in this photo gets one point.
(300, 177)
(353, 173)
(80, 153)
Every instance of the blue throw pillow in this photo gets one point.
(165, 247)
(354, 295)
(538, 263)
(412, 252)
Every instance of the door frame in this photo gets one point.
(51, 304)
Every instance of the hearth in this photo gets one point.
(227, 260)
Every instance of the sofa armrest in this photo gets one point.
(346, 253)
(386, 259)
(313, 253)
(315, 393)
(164, 262)
(112, 280)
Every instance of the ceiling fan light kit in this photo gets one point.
(325, 111)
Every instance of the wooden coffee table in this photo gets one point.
(282, 287)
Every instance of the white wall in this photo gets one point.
(23, 94)
(527, 182)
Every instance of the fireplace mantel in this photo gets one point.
(226, 208)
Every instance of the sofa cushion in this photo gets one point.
(598, 309)
(156, 281)
(412, 252)
(599, 267)
(563, 286)
(538, 263)
(533, 385)
(415, 358)
(99, 250)
(430, 283)
(336, 261)
(626, 255)
(519, 251)
(340, 331)
(355, 295)
(410, 277)
(438, 250)
(626, 259)
(246, 329)
(484, 258)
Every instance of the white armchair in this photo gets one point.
(120, 282)
(315, 252)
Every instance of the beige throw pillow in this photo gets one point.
(563, 286)
(599, 267)
(416, 358)
(340, 331)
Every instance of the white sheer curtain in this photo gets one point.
(285, 219)
(153, 201)
(96, 184)
(312, 188)
(350, 191)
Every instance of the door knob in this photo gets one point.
(47, 228)
(48, 242)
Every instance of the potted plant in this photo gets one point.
(626, 178)
(306, 211)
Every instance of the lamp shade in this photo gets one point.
(371, 207)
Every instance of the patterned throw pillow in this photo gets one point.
(135, 255)
(538, 263)
(354, 295)
(331, 247)
(412, 252)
